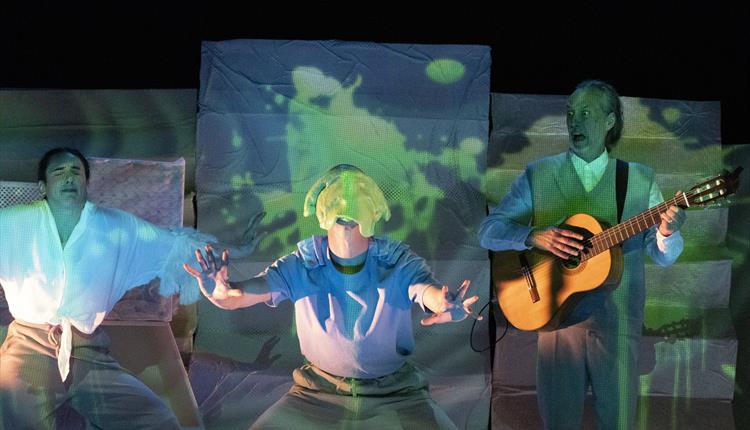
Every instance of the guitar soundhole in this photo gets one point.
(575, 261)
(571, 262)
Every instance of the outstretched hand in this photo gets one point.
(454, 307)
(213, 278)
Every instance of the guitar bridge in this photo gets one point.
(530, 282)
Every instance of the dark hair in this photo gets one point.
(41, 172)
(613, 105)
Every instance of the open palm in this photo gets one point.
(213, 278)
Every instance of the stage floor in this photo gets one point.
(519, 412)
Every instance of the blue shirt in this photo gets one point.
(353, 325)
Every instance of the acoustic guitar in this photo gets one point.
(536, 290)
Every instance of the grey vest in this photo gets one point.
(557, 194)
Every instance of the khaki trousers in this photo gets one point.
(100, 392)
(319, 400)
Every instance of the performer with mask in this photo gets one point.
(352, 295)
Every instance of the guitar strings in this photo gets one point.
(607, 235)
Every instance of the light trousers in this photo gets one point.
(102, 394)
(319, 400)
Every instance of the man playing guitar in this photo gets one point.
(598, 340)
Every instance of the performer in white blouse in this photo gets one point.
(64, 263)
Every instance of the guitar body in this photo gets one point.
(557, 283)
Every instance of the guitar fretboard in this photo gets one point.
(627, 229)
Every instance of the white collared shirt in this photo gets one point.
(590, 173)
(109, 252)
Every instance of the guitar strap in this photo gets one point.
(621, 185)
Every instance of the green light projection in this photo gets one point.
(236, 141)
(117, 235)
(729, 370)
(147, 232)
(326, 127)
(445, 71)
(671, 115)
(643, 404)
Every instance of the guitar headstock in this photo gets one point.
(716, 188)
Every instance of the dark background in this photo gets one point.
(673, 50)
(665, 49)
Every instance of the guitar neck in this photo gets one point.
(629, 228)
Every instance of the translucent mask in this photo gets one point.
(346, 193)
